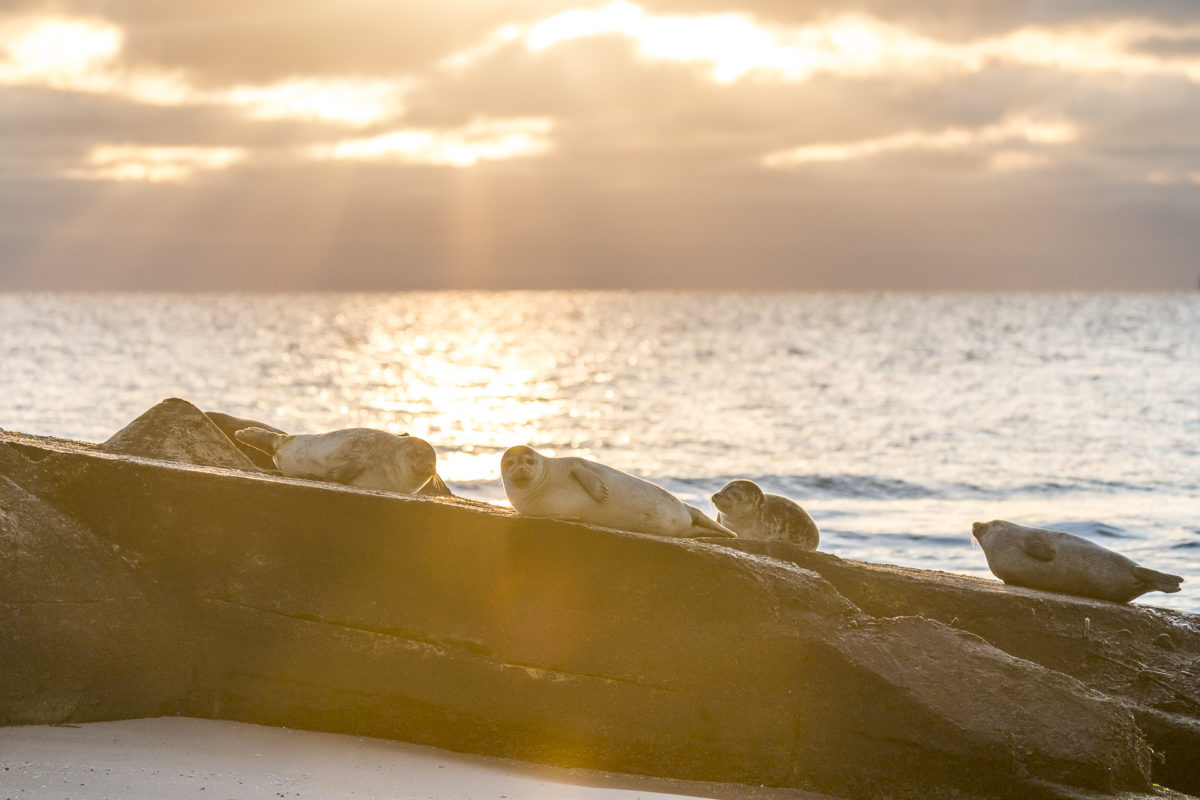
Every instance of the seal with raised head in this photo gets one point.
(1056, 561)
(362, 457)
(576, 489)
(746, 509)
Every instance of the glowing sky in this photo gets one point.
(808, 144)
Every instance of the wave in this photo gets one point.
(897, 539)
(1092, 529)
(881, 487)
(856, 486)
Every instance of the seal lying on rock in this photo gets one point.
(745, 509)
(576, 489)
(363, 457)
(1062, 562)
(230, 425)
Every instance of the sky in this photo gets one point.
(285, 145)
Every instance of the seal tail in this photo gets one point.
(1161, 581)
(260, 439)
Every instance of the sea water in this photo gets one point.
(897, 420)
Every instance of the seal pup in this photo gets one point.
(743, 507)
(1063, 562)
(575, 489)
(362, 457)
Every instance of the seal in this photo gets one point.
(230, 425)
(362, 457)
(1056, 561)
(744, 508)
(575, 489)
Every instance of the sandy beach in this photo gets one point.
(182, 758)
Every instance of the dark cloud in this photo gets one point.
(952, 20)
(1160, 46)
(1061, 12)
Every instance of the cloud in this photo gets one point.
(1006, 133)
(367, 144)
(961, 20)
(84, 55)
(153, 164)
(732, 46)
(223, 42)
(480, 140)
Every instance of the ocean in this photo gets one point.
(897, 420)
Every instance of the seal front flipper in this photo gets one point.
(1161, 581)
(590, 479)
(346, 471)
(1035, 545)
(702, 520)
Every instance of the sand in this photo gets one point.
(178, 758)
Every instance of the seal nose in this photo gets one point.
(978, 528)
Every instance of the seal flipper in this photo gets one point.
(261, 439)
(1038, 546)
(1161, 581)
(702, 520)
(587, 476)
(346, 471)
(231, 425)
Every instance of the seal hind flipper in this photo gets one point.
(230, 425)
(261, 439)
(1038, 546)
(590, 479)
(1162, 581)
(702, 520)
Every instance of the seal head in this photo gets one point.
(1056, 561)
(753, 514)
(521, 466)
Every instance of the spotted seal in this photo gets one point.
(363, 457)
(577, 489)
(744, 508)
(1062, 562)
